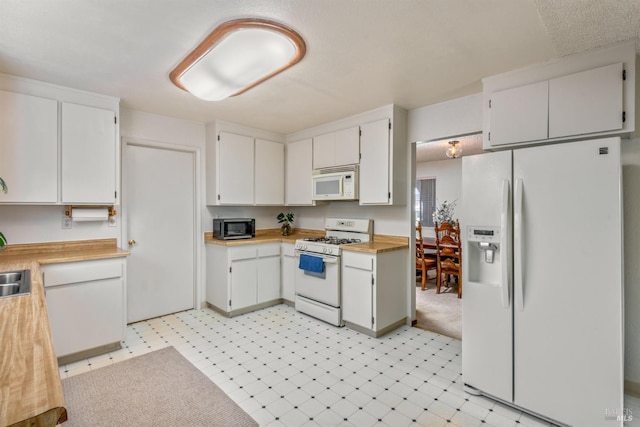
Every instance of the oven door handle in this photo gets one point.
(326, 260)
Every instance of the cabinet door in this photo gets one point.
(288, 272)
(347, 146)
(88, 154)
(586, 102)
(519, 114)
(374, 164)
(235, 169)
(357, 289)
(324, 150)
(299, 172)
(269, 179)
(244, 276)
(269, 278)
(85, 315)
(28, 148)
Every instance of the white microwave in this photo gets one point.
(339, 183)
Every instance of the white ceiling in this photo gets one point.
(362, 54)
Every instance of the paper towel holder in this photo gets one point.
(69, 209)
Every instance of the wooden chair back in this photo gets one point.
(449, 254)
(423, 263)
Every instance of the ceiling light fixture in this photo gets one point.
(237, 56)
(454, 151)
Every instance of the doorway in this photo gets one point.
(159, 223)
(438, 178)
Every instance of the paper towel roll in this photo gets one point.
(90, 214)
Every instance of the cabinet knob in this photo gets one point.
(132, 242)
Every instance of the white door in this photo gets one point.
(357, 289)
(568, 291)
(269, 173)
(235, 169)
(160, 199)
(374, 164)
(487, 344)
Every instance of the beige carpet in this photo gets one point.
(157, 389)
(440, 313)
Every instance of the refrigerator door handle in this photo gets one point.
(504, 257)
(518, 245)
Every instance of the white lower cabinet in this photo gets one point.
(86, 306)
(374, 296)
(289, 267)
(243, 278)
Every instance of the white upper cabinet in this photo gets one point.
(28, 148)
(586, 102)
(375, 163)
(519, 114)
(580, 96)
(235, 169)
(245, 171)
(88, 154)
(269, 172)
(337, 148)
(299, 164)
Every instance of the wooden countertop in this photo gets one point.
(30, 387)
(380, 243)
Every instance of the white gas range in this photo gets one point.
(318, 279)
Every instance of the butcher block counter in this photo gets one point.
(30, 387)
(380, 243)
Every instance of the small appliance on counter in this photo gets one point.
(234, 228)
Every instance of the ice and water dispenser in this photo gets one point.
(483, 250)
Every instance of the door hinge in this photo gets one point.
(115, 120)
(218, 137)
(229, 303)
(229, 272)
(360, 132)
(360, 156)
(372, 280)
(624, 74)
(489, 103)
(489, 136)
(218, 197)
(624, 116)
(373, 321)
(115, 194)
(389, 195)
(389, 125)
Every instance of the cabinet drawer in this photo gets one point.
(84, 271)
(243, 252)
(288, 249)
(359, 261)
(269, 250)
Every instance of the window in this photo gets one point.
(425, 201)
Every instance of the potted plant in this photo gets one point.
(444, 212)
(286, 219)
(3, 240)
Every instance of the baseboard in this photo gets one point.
(92, 352)
(632, 388)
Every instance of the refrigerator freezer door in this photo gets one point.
(487, 319)
(568, 336)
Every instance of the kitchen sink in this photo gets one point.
(14, 283)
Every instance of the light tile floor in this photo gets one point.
(287, 369)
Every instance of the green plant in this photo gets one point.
(285, 218)
(444, 212)
(3, 240)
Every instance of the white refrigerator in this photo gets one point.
(542, 324)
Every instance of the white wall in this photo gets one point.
(631, 197)
(448, 175)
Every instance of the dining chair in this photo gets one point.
(449, 254)
(424, 263)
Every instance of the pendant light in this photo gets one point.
(454, 151)
(237, 56)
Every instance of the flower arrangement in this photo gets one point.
(444, 212)
(3, 240)
(286, 219)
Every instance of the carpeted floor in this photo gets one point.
(157, 389)
(440, 313)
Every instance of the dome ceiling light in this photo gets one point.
(237, 56)
(454, 151)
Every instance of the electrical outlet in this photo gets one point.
(66, 223)
(112, 221)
